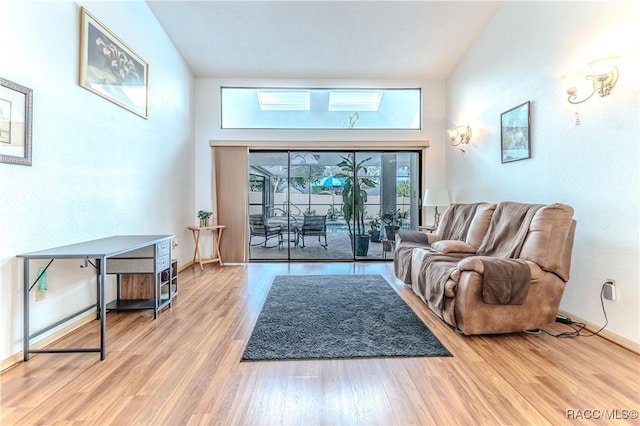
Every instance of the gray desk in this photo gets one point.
(156, 249)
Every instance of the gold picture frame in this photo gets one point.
(110, 68)
(16, 115)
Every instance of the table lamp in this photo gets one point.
(435, 198)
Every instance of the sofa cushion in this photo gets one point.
(480, 224)
(457, 221)
(508, 229)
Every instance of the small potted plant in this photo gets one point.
(374, 231)
(204, 216)
(393, 221)
(332, 213)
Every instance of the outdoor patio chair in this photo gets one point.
(259, 227)
(313, 226)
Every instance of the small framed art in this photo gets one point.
(515, 133)
(109, 68)
(16, 114)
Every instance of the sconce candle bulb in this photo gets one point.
(461, 135)
(603, 76)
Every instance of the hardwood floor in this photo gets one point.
(184, 368)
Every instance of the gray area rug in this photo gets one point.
(338, 316)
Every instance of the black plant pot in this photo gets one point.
(375, 235)
(362, 245)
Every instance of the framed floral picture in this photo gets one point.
(110, 68)
(16, 114)
(515, 133)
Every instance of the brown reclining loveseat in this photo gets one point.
(504, 270)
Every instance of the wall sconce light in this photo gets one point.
(603, 76)
(461, 135)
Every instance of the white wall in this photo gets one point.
(208, 125)
(592, 167)
(98, 170)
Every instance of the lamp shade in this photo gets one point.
(435, 197)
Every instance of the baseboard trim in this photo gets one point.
(612, 337)
(185, 266)
(79, 322)
(193, 265)
(49, 340)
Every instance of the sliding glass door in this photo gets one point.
(268, 213)
(390, 186)
(330, 205)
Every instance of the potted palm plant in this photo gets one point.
(354, 198)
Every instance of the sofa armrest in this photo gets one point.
(416, 237)
(453, 247)
(474, 264)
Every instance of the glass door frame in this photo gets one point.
(358, 155)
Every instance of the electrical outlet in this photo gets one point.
(609, 291)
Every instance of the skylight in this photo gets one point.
(349, 100)
(284, 100)
(320, 108)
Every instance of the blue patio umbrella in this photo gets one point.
(329, 182)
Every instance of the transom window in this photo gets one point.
(306, 108)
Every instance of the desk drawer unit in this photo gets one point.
(163, 248)
(141, 261)
(136, 272)
(164, 262)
